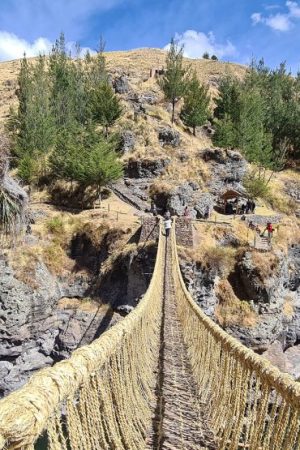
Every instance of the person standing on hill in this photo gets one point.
(207, 212)
(167, 214)
(269, 228)
(153, 209)
(186, 213)
(168, 226)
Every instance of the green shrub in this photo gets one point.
(55, 225)
(255, 186)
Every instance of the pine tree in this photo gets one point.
(205, 55)
(32, 126)
(227, 113)
(86, 158)
(43, 132)
(20, 123)
(63, 85)
(225, 132)
(228, 100)
(105, 105)
(96, 66)
(196, 104)
(253, 139)
(174, 80)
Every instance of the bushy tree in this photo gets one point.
(214, 58)
(225, 132)
(227, 113)
(105, 105)
(86, 158)
(196, 104)
(60, 101)
(253, 140)
(63, 86)
(173, 82)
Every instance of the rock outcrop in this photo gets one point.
(272, 290)
(228, 169)
(121, 84)
(38, 329)
(146, 168)
(127, 141)
(169, 136)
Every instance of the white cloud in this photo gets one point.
(196, 43)
(13, 47)
(256, 18)
(294, 9)
(279, 21)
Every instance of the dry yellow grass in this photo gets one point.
(266, 264)
(231, 310)
(137, 63)
(83, 304)
(288, 307)
(209, 253)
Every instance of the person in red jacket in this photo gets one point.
(269, 229)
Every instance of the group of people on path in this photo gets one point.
(232, 207)
(168, 219)
(269, 229)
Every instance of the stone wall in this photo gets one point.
(150, 229)
(184, 230)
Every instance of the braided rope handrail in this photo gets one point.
(251, 403)
(100, 397)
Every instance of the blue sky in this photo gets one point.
(235, 30)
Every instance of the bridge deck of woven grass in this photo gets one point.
(210, 391)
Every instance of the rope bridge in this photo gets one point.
(104, 396)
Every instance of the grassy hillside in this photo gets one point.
(135, 63)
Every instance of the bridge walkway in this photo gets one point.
(180, 421)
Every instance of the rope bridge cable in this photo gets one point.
(251, 404)
(101, 397)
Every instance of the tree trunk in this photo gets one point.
(173, 110)
(194, 130)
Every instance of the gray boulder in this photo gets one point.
(146, 168)
(127, 141)
(121, 85)
(228, 169)
(5, 368)
(148, 97)
(292, 356)
(168, 136)
(292, 188)
(275, 355)
(179, 199)
(201, 284)
(32, 360)
(203, 202)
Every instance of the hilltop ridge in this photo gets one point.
(137, 62)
